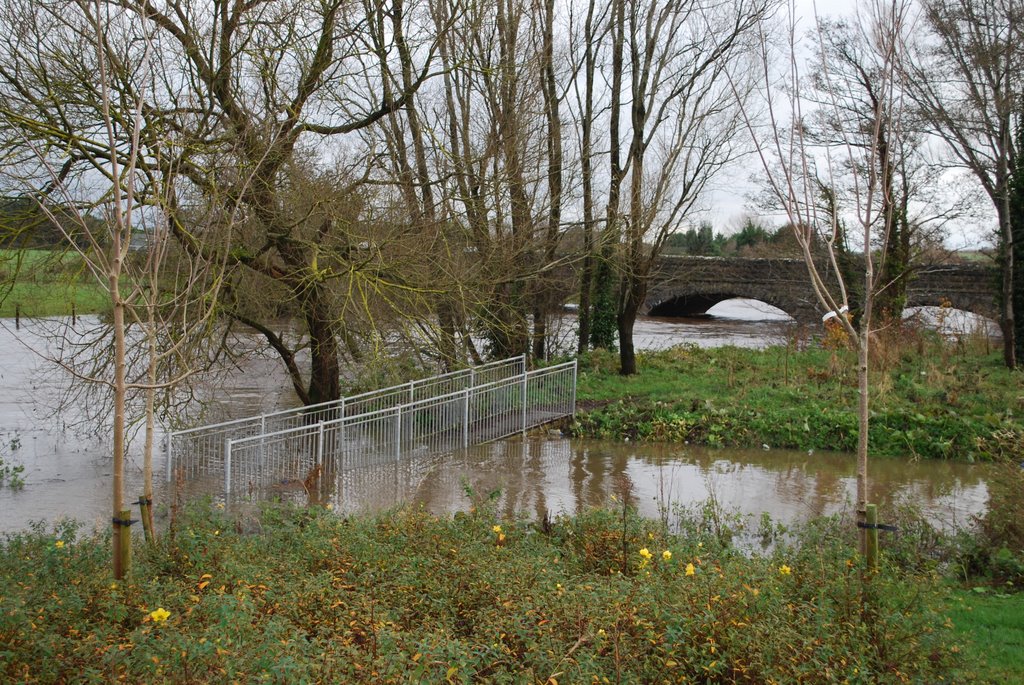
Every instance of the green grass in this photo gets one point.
(306, 596)
(928, 400)
(42, 283)
(992, 626)
(53, 299)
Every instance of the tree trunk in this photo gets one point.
(121, 530)
(863, 399)
(325, 367)
(540, 333)
(549, 88)
(1006, 291)
(627, 353)
(863, 338)
(586, 284)
(446, 322)
(151, 369)
(1016, 232)
(631, 298)
(603, 321)
(891, 295)
(587, 172)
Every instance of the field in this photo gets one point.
(40, 283)
(992, 624)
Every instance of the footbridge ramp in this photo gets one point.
(423, 417)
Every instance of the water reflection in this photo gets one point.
(539, 476)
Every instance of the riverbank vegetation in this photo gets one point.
(302, 595)
(931, 398)
(11, 470)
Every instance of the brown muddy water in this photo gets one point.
(543, 475)
(68, 475)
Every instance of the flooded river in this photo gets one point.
(69, 476)
(542, 476)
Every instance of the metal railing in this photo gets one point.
(197, 452)
(447, 422)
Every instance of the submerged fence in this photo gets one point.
(420, 418)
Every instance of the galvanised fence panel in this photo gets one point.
(551, 393)
(198, 452)
(299, 455)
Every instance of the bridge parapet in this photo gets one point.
(685, 285)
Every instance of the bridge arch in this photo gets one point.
(698, 304)
(691, 285)
(971, 287)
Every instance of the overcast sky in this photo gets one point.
(729, 201)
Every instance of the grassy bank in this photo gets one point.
(929, 400)
(991, 624)
(41, 283)
(305, 596)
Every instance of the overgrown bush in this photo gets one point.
(11, 471)
(410, 597)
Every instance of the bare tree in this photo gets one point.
(251, 97)
(851, 81)
(683, 126)
(552, 90)
(126, 199)
(495, 158)
(590, 43)
(965, 81)
(795, 168)
(604, 319)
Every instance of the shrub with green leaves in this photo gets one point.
(604, 596)
(928, 404)
(11, 471)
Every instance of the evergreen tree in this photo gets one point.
(751, 234)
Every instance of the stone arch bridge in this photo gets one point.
(688, 286)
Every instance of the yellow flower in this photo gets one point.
(646, 553)
(600, 632)
(690, 570)
(497, 529)
(785, 570)
(159, 615)
(330, 507)
(666, 555)
(59, 544)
